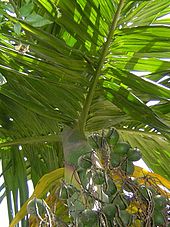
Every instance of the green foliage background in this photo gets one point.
(76, 63)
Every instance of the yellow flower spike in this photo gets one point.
(135, 207)
(137, 223)
(132, 208)
(140, 172)
(149, 178)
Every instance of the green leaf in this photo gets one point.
(141, 84)
(163, 21)
(103, 114)
(140, 13)
(133, 106)
(17, 28)
(59, 80)
(36, 20)
(26, 9)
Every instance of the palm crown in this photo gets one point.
(73, 63)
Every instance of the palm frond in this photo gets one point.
(154, 147)
(77, 68)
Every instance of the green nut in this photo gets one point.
(111, 188)
(115, 159)
(84, 162)
(134, 154)
(158, 218)
(128, 167)
(160, 202)
(88, 217)
(112, 137)
(126, 218)
(109, 210)
(122, 148)
(98, 177)
(121, 201)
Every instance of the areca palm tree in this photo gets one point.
(71, 68)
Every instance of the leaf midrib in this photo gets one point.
(32, 140)
(97, 72)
